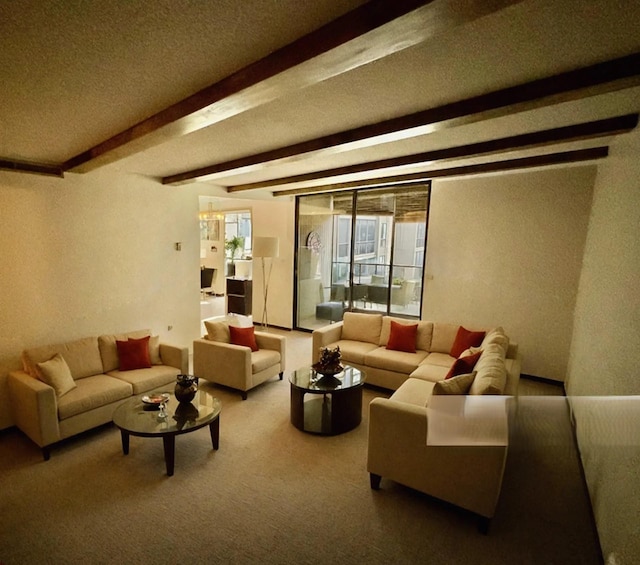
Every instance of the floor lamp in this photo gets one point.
(265, 248)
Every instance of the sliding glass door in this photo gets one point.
(360, 251)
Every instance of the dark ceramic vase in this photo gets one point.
(186, 388)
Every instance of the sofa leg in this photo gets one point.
(280, 375)
(483, 525)
(244, 394)
(375, 481)
(46, 453)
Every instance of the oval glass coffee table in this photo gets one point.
(135, 418)
(338, 410)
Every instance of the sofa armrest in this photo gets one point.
(222, 363)
(35, 408)
(323, 337)
(274, 342)
(175, 356)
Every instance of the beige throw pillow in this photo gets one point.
(455, 385)
(154, 350)
(55, 372)
(362, 327)
(218, 331)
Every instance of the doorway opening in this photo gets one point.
(225, 257)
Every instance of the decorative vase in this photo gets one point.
(186, 388)
(329, 364)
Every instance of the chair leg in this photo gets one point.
(46, 453)
(280, 375)
(375, 481)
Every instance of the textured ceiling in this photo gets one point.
(73, 74)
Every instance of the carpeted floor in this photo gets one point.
(273, 494)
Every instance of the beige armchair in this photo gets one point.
(217, 360)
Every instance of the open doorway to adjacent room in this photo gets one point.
(225, 255)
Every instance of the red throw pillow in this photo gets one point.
(463, 365)
(133, 354)
(244, 336)
(464, 340)
(403, 337)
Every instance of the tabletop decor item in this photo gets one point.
(186, 388)
(186, 414)
(329, 364)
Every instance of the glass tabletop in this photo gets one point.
(136, 417)
(308, 379)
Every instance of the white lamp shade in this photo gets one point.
(265, 247)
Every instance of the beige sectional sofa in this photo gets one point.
(421, 437)
(70, 404)
(362, 339)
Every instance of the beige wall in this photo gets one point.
(604, 379)
(95, 253)
(507, 250)
(90, 254)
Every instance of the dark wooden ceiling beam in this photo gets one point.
(408, 180)
(33, 168)
(576, 132)
(371, 31)
(596, 79)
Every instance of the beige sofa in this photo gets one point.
(434, 443)
(98, 385)
(363, 338)
(219, 361)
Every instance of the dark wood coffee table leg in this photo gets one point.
(214, 429)
(125, 442)
(297, 407)
(346, 410)
(169, 452)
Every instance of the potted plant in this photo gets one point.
(232, 246)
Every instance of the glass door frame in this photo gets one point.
(351, 300)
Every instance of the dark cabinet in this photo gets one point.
(239, 296)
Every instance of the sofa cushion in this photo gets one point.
(133, 354)
(243, 336)
(353, 351)
(491, 372)
(440, 359)
(459, 384)
(428, 372)
(56, 373)
(82, 357)
(263, 359)
(402, 337)
(498, 337)
(218, 331)
(92, 392)
(463, 365)
(398, 361)
(362, 327)
(143, 380)
(464, 340)
(109, 349)
(414, 391)
(443, 337)
(423, 338)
